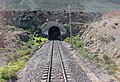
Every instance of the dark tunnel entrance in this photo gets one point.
(54, 33)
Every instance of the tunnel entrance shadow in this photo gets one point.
(54, 33)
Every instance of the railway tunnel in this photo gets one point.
(54, 33)
(53, 30)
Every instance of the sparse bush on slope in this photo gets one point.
(77, 43)
(10, 71)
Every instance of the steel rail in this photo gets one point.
(50, 64)
(51, 61)
(62, 64)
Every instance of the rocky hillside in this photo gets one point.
(8, 42)
(77, 5)
(111, 14)
(17, 45)
(102, 40)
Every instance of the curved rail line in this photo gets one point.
(51, 61)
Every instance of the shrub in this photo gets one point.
(23, 52)
(106, 58)
(109, 64)
(110, 67)
(67, 40)
(84, 52)
(2, 80)
(26, 58)
(10, 70)
(38, 41)
(77, 43)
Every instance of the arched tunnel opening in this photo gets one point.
(54, 33)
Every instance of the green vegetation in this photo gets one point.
(10, 70)
(106, 59)
(84, 52)
(35, 42)
(108, 64)
(109, 67)
(77, 43)
(23, 54)
(38, 41)
(67, 40)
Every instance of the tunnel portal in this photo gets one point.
(54, 30)
(54, 33)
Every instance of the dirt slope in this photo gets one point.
(103, 38)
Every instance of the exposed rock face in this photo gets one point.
(1, 40)
(36, 18)
(1, 34)
(103, 37)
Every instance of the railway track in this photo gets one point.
(55, 70)
(53, 63)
